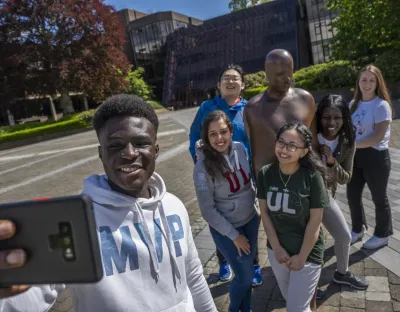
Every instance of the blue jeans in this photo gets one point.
(241, 285)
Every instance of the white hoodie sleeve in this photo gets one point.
(36, 299)
(202, 299)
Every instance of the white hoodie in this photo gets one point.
(150, 261)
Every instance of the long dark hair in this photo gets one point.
(310, 160)
(334, 100)
(214, 161)
(381, 89)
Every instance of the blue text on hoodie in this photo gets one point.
(235, 113)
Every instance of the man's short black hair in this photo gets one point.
(124, 105)
(234, 67)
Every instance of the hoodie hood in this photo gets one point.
(98, 188)
(223, 105)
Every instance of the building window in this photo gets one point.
(317, 27)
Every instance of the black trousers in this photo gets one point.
(371, 167)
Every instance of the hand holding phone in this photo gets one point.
(10, 259)
(54, 242)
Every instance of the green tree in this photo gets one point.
(237, 5)
(136, 84)
(364, 28)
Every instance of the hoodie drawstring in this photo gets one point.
(237, 164)
(148, 240)
(169, 240)
(150, 243)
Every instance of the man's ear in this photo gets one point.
(243, 86)
(99, 151)
(157, 151)
(219, 85)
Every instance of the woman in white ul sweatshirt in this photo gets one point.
(149, 258)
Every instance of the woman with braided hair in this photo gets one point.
(292, 195)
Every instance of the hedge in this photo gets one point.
(249, 93)
(325, 76)
(155, 104)
(46, 129)
(70, 122)
(389, 64)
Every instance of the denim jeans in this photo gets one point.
(222, 260)
(242, 266)
(371, 167)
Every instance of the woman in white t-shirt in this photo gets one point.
(371, 115)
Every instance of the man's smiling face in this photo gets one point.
(128, 151)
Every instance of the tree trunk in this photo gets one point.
(53, 109)
(66, 103)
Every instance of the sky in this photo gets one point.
(201, 9)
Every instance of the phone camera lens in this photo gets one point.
(67, 241)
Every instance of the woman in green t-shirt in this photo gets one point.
(292, 196)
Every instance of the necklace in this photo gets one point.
(285, 184)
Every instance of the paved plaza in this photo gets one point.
(57, 168)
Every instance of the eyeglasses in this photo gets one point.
(289, 146)
(233, 78)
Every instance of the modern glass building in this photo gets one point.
(319, 18)
(196, 54)
(147, 36)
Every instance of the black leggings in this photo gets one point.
(373, 168)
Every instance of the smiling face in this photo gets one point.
(128, 151)
(220, 136)
(331, 122)
(368, 84)
(289, 148)
(231, 84)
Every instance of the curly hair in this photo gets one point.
(124, 105)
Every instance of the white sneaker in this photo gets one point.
(376, 242)
(355, 237)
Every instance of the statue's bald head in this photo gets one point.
(279, 69)
(279, 56)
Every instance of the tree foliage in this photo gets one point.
(60, 46)
(236, 5)
(136, 84)
(364, 27)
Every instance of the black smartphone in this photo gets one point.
(59, 236)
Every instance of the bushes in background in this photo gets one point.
(46, 129)
(249, 93)
(67, 123)
(255, 80)
(329, 75)
(389, 64)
